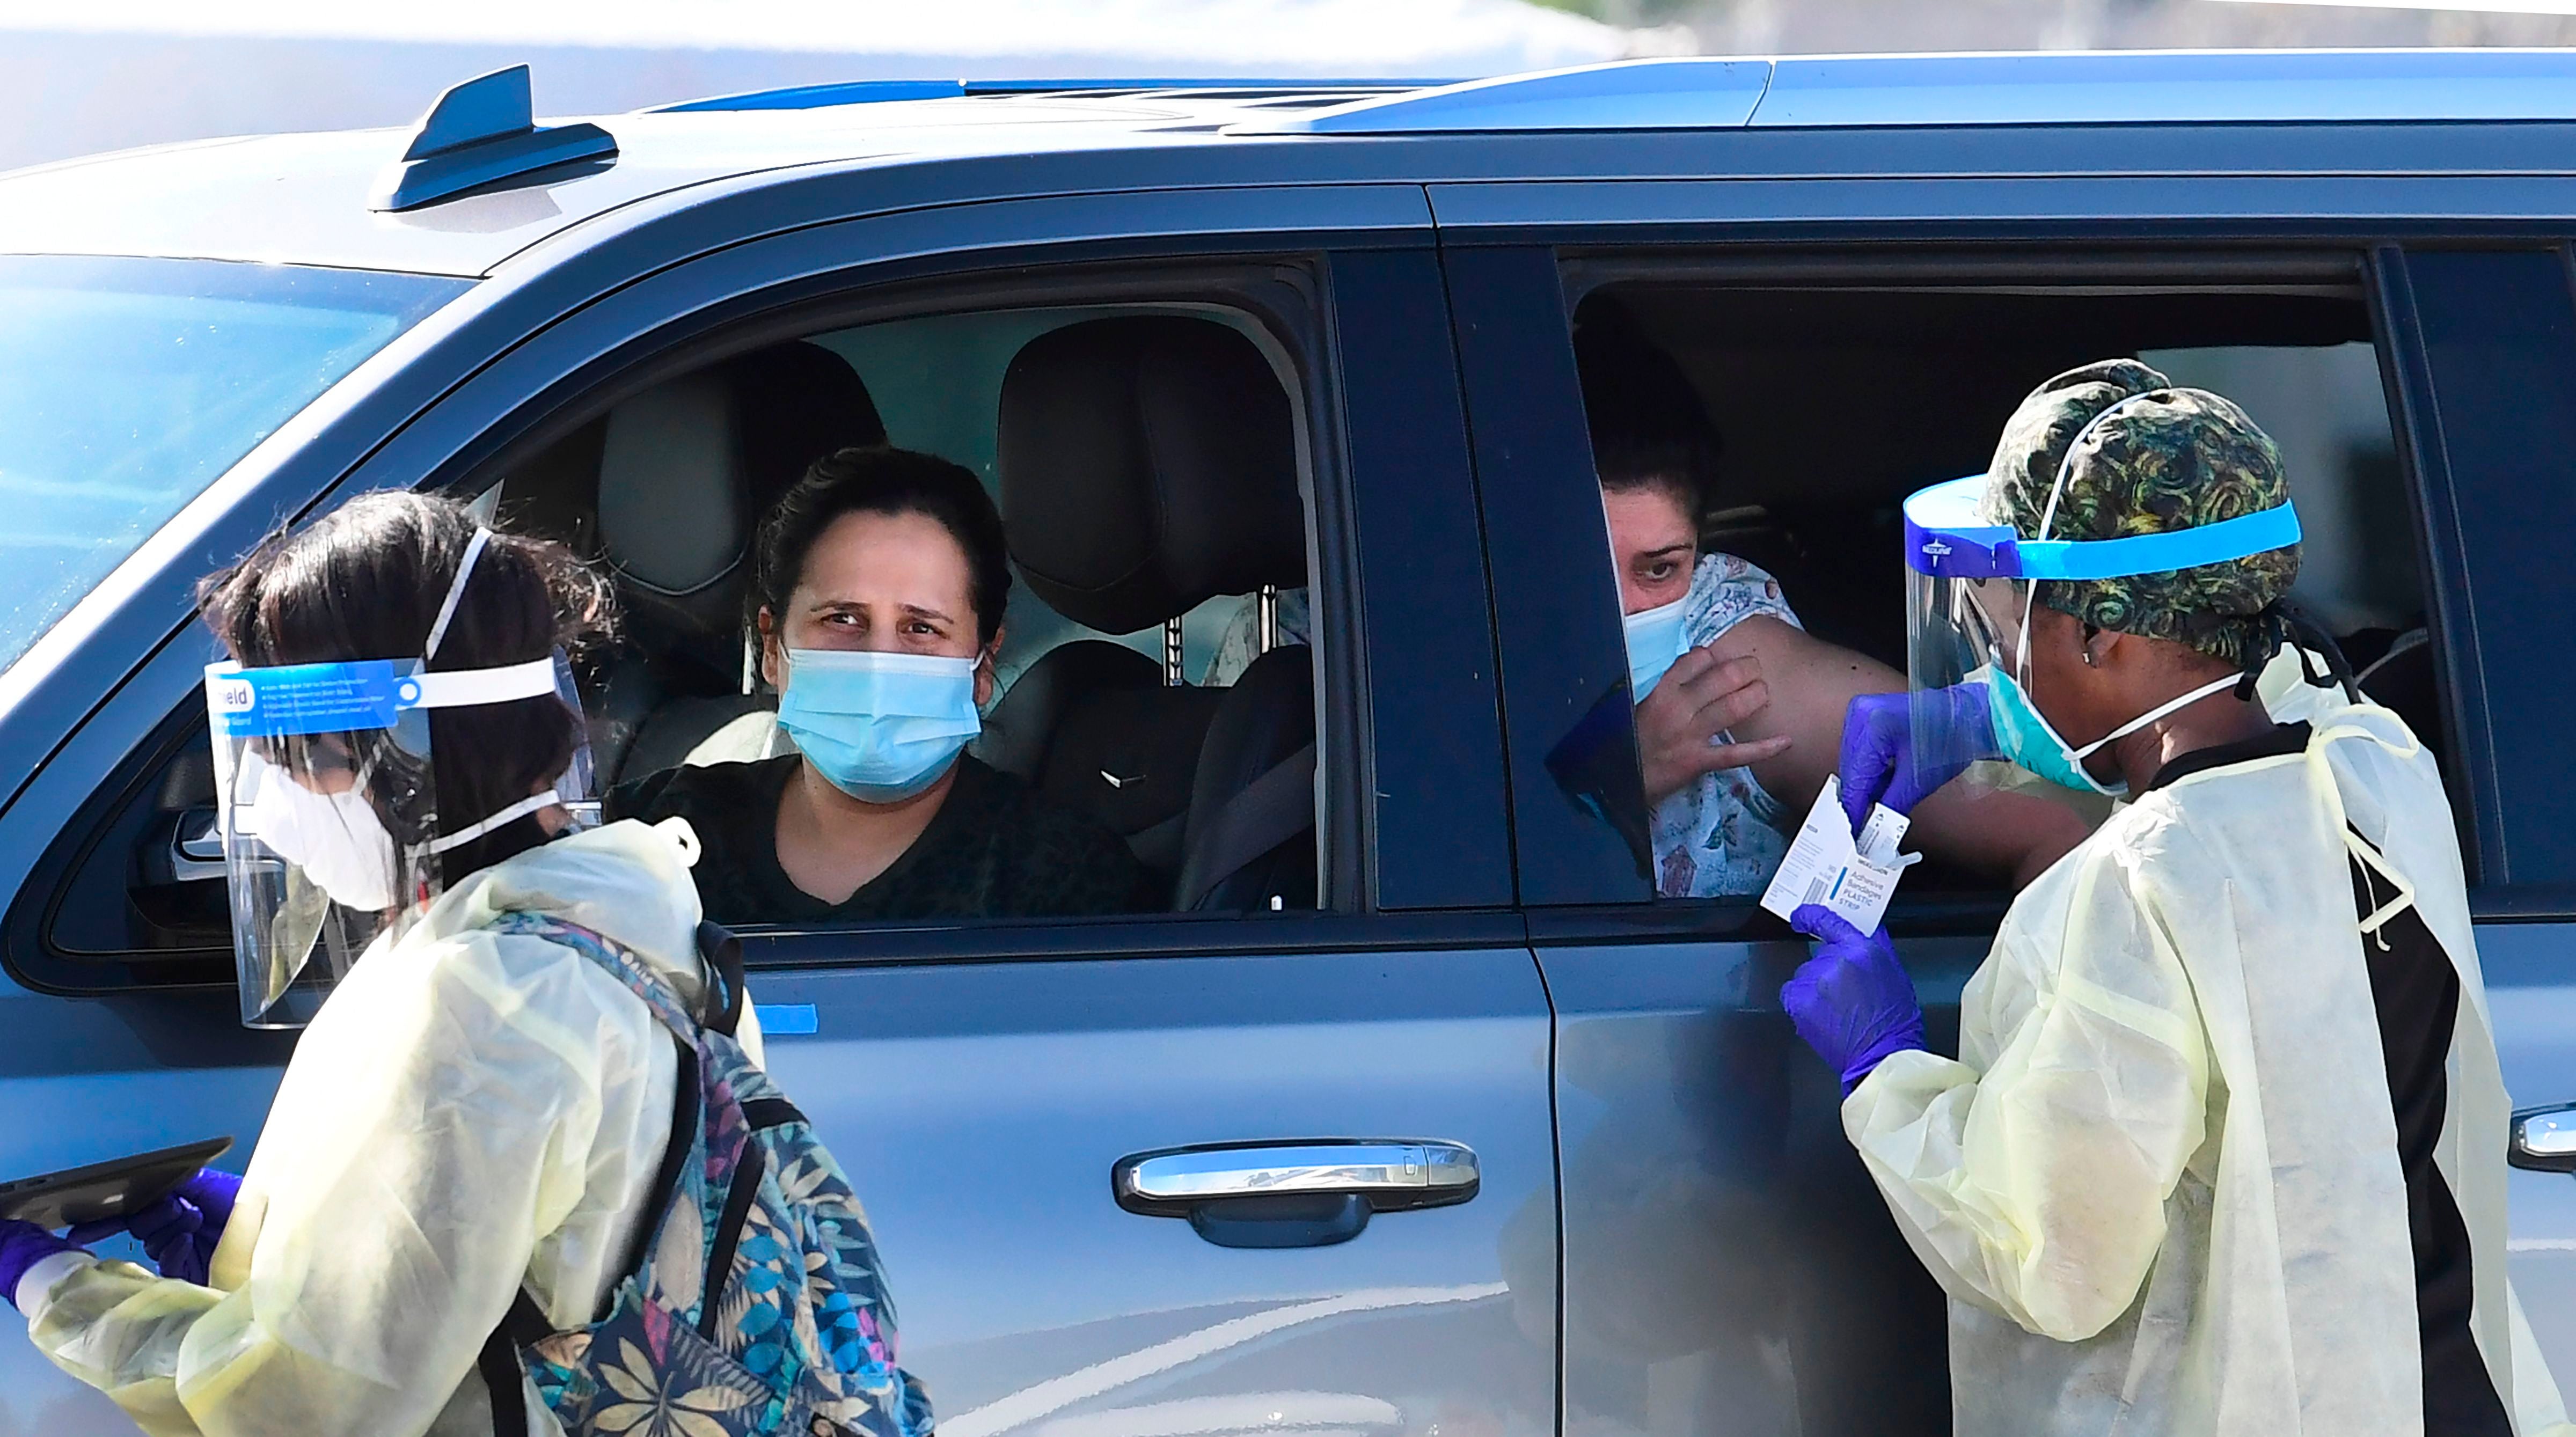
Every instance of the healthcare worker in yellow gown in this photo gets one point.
(2223, 1148)
(473, 1111)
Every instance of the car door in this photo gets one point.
(1728, 1266)
(983, 1085)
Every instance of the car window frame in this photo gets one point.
(636, 331)
(2493, 658)
(1591, 900)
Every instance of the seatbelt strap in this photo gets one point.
(1270, 810)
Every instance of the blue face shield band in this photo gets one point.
(880, 727)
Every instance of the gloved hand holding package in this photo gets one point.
(1827, 864)
(1898, 749)
(1852, 1002)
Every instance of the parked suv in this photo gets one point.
(1417, 1112)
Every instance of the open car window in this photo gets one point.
(1154, 688)
(1820, 408)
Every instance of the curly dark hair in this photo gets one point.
(365, 581)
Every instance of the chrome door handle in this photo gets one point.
(1388, 1175)
(2544, 1139)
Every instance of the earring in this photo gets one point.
(2088, 658)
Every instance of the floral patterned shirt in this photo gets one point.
(1718, 838)
(1722, 836)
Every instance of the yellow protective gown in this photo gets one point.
(469, 1111)
(2161, 1184)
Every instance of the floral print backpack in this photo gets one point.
(755, 1303)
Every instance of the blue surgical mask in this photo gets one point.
(1655, 639)
(2029, 740)
(880, 727)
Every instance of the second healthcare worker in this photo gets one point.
(2222, 1150)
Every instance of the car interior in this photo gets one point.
(1147, 466)
(1831, 404)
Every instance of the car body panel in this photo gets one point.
(1729, 1266)
(980, 1107)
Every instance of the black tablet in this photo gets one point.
(109, 1189)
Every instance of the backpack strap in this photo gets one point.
(622, 963)
(525, 1323)
(723, 954)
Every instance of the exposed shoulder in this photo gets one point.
(1795, 660)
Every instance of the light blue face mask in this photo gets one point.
(2030, 741)
(1655, 640)
(880, 727)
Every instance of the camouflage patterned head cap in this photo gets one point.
(2170, 459)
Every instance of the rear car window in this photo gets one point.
(134, 383)
(1813, 412)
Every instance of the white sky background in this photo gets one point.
(78, 76)
(1364, 36)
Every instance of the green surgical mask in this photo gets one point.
(2030, 741)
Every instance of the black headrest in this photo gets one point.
(688, 467)
(799, 402)
(1148, 464)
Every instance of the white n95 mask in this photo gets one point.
(336, 838)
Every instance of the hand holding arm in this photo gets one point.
(1701, 697)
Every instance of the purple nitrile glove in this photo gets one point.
(1883, 758)
(1852, 1002)
(22, 1246)
(180, 1231)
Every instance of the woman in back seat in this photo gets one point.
(879, 587)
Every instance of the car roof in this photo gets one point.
(303, 198)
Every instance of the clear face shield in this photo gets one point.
(1971, 588)
(326, 798)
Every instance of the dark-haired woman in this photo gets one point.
(880, 583)
(477, 1111)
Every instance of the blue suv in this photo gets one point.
(1420, 1111)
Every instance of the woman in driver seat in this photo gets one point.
(879, 590)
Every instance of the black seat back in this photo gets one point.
(685, 472)
(1147, 464)
(1090, 724)
(1253, 797)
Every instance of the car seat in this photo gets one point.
(1148, 464)
(686, 471)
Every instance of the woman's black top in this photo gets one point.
(996, 849)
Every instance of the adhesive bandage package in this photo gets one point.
(1854, 877)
